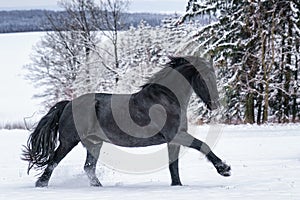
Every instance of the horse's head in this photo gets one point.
(205, 87)
(194, 72)
(203, 81)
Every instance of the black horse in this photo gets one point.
(154, 115)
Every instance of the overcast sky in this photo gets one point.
(136, 5)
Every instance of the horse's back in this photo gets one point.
(89, 119)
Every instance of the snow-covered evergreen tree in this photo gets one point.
(255, 46)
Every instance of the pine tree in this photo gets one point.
(255, 45)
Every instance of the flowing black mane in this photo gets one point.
(175, 63)
(188, 65)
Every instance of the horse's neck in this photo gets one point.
(179, 86)
(182, 98)
(181, 94)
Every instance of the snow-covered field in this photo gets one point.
(16, 94)
(265, 160)
(265, 164)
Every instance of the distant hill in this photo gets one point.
(36, 20)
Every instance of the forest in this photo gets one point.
(254, 46)
(37, 20)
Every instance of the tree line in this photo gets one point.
(254, 45)
(37, 20)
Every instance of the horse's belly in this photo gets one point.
(130, 141)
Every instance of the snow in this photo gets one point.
(16, 94)
(265, 162)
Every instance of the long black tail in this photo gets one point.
(42, 142)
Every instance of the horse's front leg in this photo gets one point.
(187, 140)
(173, 151)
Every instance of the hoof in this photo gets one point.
(176, 184)
(95, 183)
(41, 184)
(223, 169)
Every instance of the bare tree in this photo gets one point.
(75, 22)
(55, 65)
(109, 19)
(64, 62)
(62, 54)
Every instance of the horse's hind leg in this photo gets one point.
(187, 140)
(63, 149)
(173, 150)
(90, 164)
